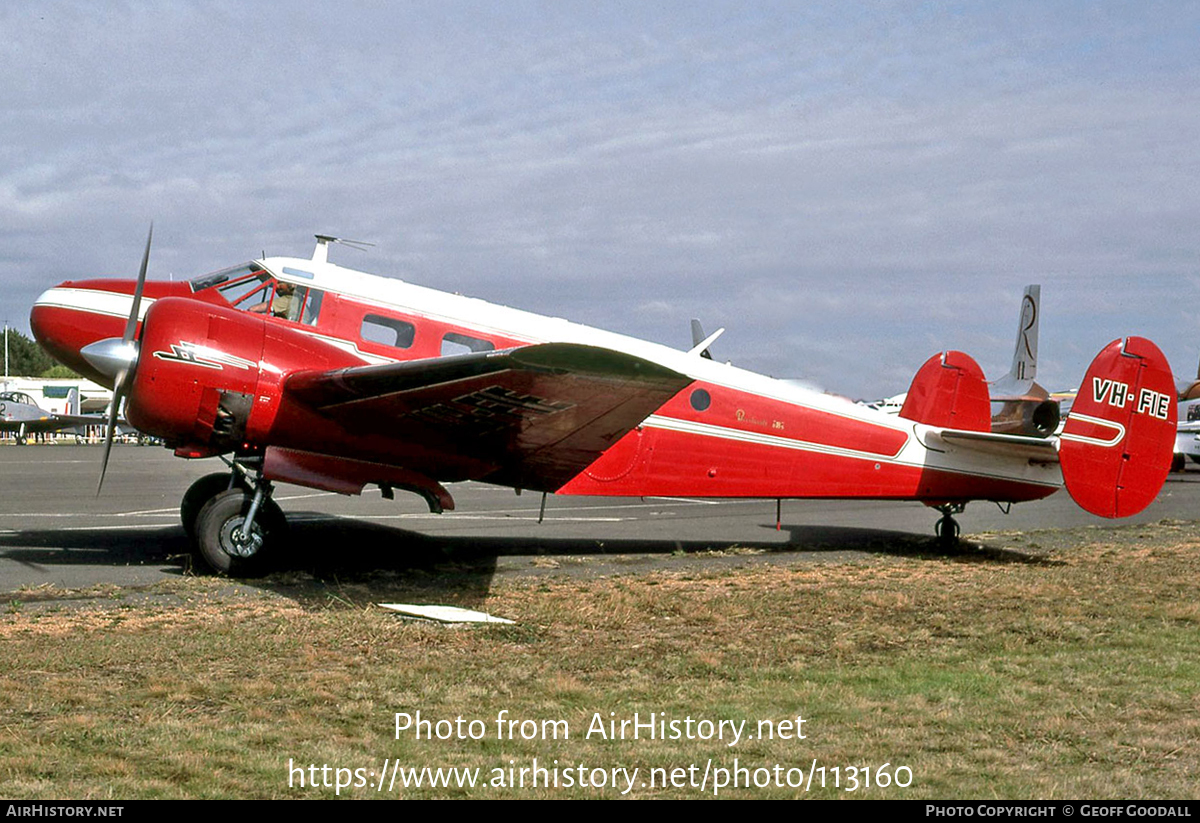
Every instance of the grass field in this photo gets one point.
(1043, 665)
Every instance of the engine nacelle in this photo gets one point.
(197, 373)
(211, 377)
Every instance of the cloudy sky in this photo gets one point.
(847, 187)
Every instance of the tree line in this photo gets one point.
(27, 359)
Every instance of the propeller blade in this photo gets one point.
(131, 324)
(111, 429)
(120, 387)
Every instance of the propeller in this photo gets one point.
(117, 357)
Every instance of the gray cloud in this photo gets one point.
(848, 189)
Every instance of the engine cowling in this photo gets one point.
(211, 377)
(197, 373)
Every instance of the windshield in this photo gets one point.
(207, 281)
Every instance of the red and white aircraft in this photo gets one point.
(301, 371)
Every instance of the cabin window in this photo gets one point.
(455, 343)
(387, 331)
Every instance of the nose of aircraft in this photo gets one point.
(71, 316)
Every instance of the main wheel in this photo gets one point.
(200, 492)
(220, 542)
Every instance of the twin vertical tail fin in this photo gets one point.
(949, 391)
(1117, 444)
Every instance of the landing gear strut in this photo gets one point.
(235, 523)
(946, 528)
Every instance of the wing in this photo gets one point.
(531, 417)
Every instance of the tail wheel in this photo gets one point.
(203, 490)
(223, 544)
(946, 529)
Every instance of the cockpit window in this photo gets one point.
(300, 304)
(252, 288)
(251, 293)
(216, 278)
(312, 306)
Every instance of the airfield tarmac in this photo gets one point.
(55, 531)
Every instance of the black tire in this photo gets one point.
(200, 492)
(944, 534)
(215, 527)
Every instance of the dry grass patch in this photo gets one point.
(1067, 669)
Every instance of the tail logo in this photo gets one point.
(1028, 321)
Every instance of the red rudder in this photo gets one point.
(1117, 443)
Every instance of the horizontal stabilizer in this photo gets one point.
(949, 391)
(1035, 449)
(1119, 438)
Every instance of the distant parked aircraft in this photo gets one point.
(21, 415)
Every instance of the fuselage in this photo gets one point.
(731, 433)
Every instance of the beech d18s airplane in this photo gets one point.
(301, 371)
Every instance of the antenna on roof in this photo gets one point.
(321, 252)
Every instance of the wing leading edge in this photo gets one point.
(536, 416)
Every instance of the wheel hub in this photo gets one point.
(236, 542)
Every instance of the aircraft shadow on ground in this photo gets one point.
(117, 547)
(324, 554)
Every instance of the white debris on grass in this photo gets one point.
(444, 614)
